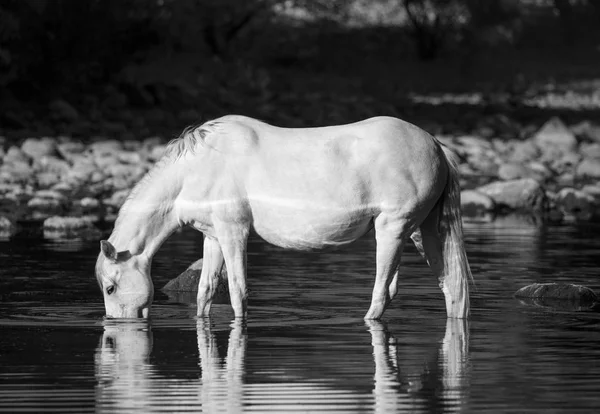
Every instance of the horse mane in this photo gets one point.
(187, 142)
(190, 138)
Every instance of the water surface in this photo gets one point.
(305, 347)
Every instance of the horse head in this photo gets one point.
(125, 282)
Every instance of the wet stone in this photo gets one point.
(564, 296)
(184, 287)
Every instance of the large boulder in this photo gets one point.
(524, 194)
(558, 295)
(185, 286)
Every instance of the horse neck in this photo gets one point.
(147, 218)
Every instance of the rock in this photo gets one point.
(106, 160)
(566, 163)
(132, 145)
(15, 155)
(42, 208)
(37, 148)
(57, 227)
(130, 157)
(187, 282)
(70, 149)
(16, 172)
(586, 131)
(106, 147)
(479, 153)
(575, 204)
(539, 171)
(558, 295)
(593, 190)
(46, 203)
(87, 207)
(46, 179)
(474, 203)
(554, 135)
(63, 111)
(512, 171)
(82, 169)
(52, 164)
(524, 194)
(588, 168)
(523, 151)
(7, 227)
(590, 151)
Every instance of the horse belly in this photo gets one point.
(303, 232)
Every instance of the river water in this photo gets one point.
(305, 347)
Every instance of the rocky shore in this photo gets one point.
(70, 188)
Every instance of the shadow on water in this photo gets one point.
(127, 379)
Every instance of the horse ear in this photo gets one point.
(108, 250)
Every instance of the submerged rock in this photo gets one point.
(558, 295)
(184, 287)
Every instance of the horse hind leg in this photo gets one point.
(212, 264)
(390, 234)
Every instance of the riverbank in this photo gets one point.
(70, 188)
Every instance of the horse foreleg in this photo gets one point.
(233, 241)
(212, 264)
(390, 240)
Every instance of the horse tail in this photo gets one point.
(457, 272)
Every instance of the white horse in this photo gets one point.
(302, 188)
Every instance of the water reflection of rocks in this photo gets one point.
(126, 380)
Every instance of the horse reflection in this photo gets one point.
(123, 368)
(221, 385)
(440, 383)
(127, 381)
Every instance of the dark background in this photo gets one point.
(131, 69)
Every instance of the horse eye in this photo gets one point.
(110, 289)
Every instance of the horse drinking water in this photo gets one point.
(296, 188)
